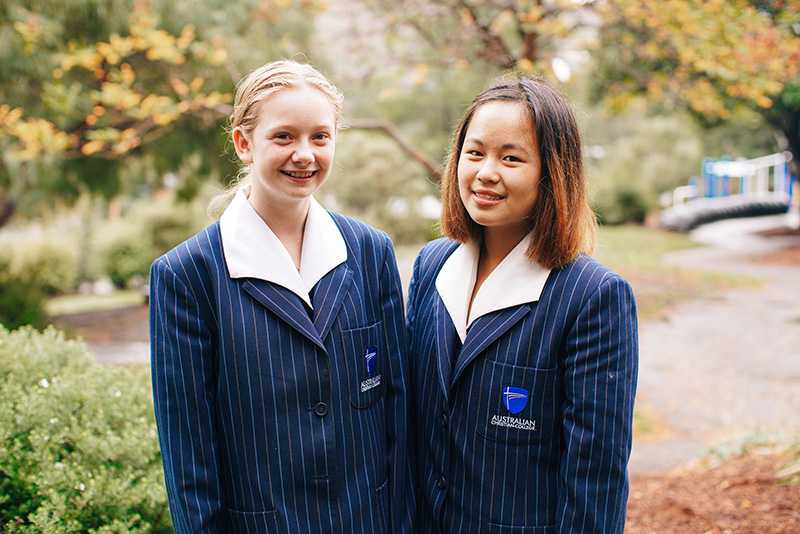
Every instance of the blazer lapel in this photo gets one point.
(446, 345)
(285, 305)
(328, 296)
(484, 331)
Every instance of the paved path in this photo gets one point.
(724, 369)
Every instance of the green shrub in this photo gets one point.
(21, 297)
(53, 265)
(620, 205)
(127, 257)
(145, 233)
(78, 448)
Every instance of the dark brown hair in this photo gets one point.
(562, 222)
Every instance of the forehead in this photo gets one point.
(297, 106)
(502, 122)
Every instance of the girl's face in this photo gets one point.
(290, 151)
(499, 167)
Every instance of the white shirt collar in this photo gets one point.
(252, 250)
(516, 280)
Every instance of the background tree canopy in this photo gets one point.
(108, 99)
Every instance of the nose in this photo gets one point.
(304, 155)
(488, 172)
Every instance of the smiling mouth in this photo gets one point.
(299, 175)
(488, 196)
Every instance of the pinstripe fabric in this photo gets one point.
(239, 369)
(575, 351)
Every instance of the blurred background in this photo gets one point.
(113, 139)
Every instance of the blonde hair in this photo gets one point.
(254, 89)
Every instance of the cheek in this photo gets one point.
(464, 173)
(324, 155)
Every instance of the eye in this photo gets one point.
(513, 159)
(473, 153)
(282, 136)
(321, 136)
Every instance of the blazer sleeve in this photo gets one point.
(401, 491)
(599, 374)
(183, 394)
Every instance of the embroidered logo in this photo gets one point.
(515, 399)
(370, 359)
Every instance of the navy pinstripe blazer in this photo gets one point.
(270, 418)
(556, 463)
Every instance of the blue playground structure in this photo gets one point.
(731, 188)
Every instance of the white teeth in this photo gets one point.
(488, 197)
(296, 174)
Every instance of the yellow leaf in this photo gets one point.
(128, 76)
(92, 147)
(218, 56)
(197, 84)
(186, 38)
(179, 87)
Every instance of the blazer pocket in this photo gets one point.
(517, 405)
(252, 521)
(366, 364)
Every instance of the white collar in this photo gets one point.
(516, 280)
(252, 250)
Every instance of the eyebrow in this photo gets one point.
(294, 127)
(507, 146)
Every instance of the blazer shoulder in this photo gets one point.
(433, 255)
(589, 274)
(191, 259)
(359, 235)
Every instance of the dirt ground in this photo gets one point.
(743, 495)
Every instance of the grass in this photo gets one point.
(637, 254)
(71, 304)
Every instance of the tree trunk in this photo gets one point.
(7, 209)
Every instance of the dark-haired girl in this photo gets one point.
(525, 349)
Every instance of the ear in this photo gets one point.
(241, 143)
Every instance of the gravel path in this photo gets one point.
(724, 369)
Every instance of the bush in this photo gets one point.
(145, 233)
(53, 265)
(78, 448)
(21, 298)
(620, 205)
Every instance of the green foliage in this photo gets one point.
(21, 298)
(128, 256)
(374, 182)
(78, 448)
(53, 265)
(146, 232)
(31, 270)
(620, 205)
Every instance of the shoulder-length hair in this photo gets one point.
(562, 223)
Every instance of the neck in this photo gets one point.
(285, 219)
(498, 242)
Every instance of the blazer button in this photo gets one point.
(321, 409)
(441, 483)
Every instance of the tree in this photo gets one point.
(714, 58)
(92, 84)
(436, 55)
